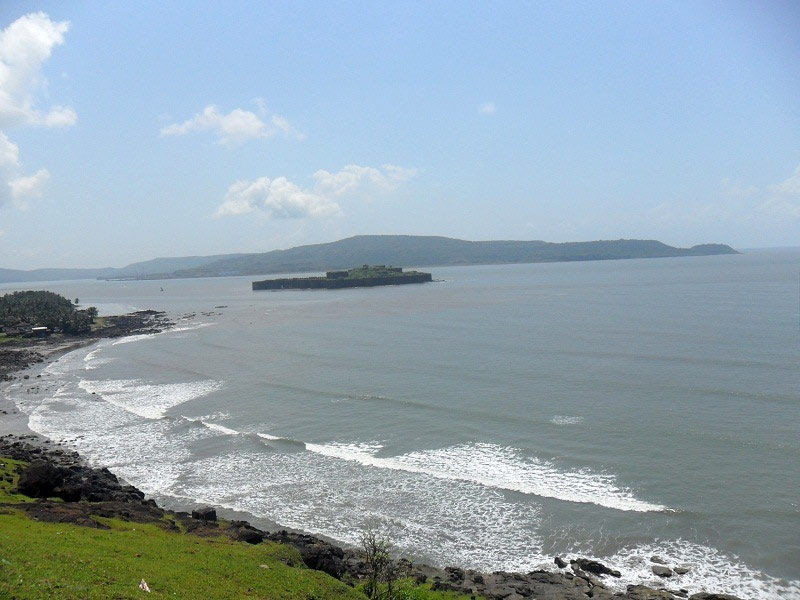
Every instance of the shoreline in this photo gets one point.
(578, 578)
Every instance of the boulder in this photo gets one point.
(658, 560)
(560, 562)
(40, 479)
(661, 571)
(596, 567)
(249, 535)
(680, 570)
(711, 596)
(642, 592)
(205, 514)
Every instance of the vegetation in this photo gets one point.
(20, 311)
(64, 560)
(381, 576)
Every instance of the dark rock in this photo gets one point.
(681, 570)
(642, 592)
(711, 596)
(658, 560)
(560, 562)
(454, 573)
(40, 479)
(596, 567)
(251, 536)
(205, 514)
(316, 553)
(661, 571)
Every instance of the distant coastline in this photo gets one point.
(411, 250)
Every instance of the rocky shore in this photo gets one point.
(85, 492)
(19, 355)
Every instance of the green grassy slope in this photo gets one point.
(64, 560)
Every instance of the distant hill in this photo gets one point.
(132, 271)
(398, 250)
(409, 251)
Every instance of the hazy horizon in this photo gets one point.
(151, 258)
(130, 132)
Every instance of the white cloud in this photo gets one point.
(32, 186)
(25, 45)
(278, 197)
(487, 108)
(237, 127)
(61, 116)
(9, 152)
(355, 177)
(781, 207)
(784, 197)
(284, 199)
(791, 186)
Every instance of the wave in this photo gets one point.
(709, 570)
(144, 336)
(498, 467)
(148, 400)
(488, 465)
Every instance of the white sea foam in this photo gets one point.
(94, 359)
(566, 420)
(151, 401)
(220, 428)
(709, 570)
(144, 336)
(499, 467)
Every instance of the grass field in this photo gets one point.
(63, 560)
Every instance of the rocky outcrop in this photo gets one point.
(595, 567)
(205, 513)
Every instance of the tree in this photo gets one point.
(380, 566)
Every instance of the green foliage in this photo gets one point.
(57, 560)
(9, 476)
(44, 309)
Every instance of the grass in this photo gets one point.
(99, 323)
(63, 560)
(55, 560)
(8, 339)
(8, 481)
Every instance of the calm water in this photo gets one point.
(494, 419)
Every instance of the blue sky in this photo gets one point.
(134, 129)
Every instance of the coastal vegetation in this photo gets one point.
(21, 312)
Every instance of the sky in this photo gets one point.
(131, 130)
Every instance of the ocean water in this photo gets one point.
(493, 419)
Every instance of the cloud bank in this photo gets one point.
(25, 45)
(282, 199)
(236, 127)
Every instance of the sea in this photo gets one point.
(495, 418)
